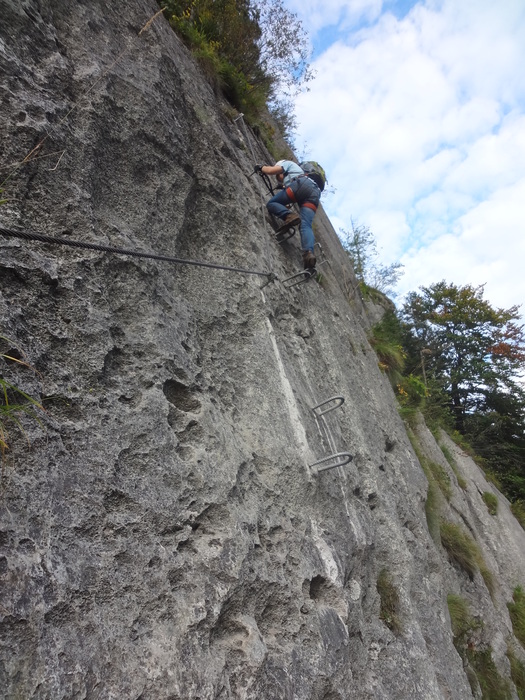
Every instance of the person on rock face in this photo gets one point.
(296, 187)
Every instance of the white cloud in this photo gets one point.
(487, 247)
(495, 159)
(420, 124)
(344, 13)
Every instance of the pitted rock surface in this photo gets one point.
(163, 535)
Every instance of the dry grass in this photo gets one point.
(464, 551)
(517, 614)
(491, 501)
(389, 611)
(13, 401)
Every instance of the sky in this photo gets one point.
(417, 114)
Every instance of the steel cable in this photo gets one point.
(42, 238)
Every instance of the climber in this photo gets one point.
(297, 187)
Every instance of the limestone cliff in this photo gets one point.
(165, 533)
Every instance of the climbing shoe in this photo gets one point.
(292, 219)
(308, 260)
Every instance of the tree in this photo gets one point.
(284, 49)
(361, 246)
(255, 50)
(475, 351)
(498, 435)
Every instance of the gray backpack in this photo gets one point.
(315, 172)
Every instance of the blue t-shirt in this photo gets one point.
(291, 171)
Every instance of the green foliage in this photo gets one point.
(432, 508)
(465, 552)
(361, 246)
(491, 501)
(517, 672)
(389, 610)
(284, 48)
(223, 36)
(389, 354)
(453, 464)
(518, 510)
(385, 338)
(436, 407)
(463, 624)
(462, 441)
(517, 614)
(473, 348)
(474, 353)
(465, 444)
(479, 662)
(254, 52)
(506, 475)
(282, 112)
(441, 478)
(460, 546)
(498, 436)
(490, 476)
(411, 392)
(493, 685)
(433, 501)
(487, 576)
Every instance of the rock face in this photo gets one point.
(164, 534)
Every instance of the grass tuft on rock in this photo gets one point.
(517, 614)
(491, 501)
(517, 672)
(434, 497)
(493, 685)
(518, 510)
(480, 668)
(463, 624)
(464, 551)
(460, 546)
(462, 483)
(389, 610)
(442, 479)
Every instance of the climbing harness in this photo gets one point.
(32, 236)
(283, 236)
(287, 233)
(294, 190)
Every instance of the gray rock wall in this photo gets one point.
(163, 533)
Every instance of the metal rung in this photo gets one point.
(300, 277)
(339, 399)
(321, 253)
(285, 235)
(321, 259)
(345, 456)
